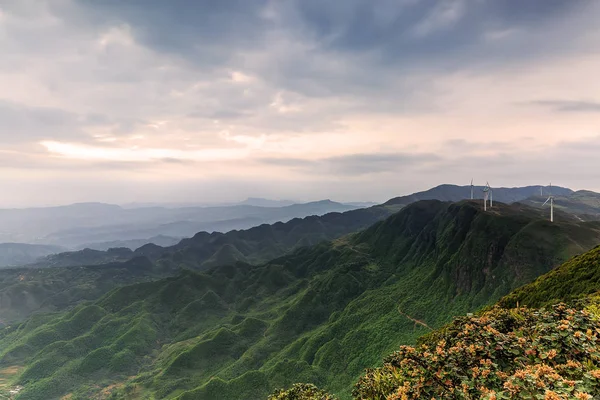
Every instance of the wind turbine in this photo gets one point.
(551, 200)
(471, 188)
(486, 193)
(491, 195)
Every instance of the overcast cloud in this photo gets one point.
(218, 100)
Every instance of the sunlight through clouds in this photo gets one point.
(138, 154)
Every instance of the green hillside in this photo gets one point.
(551, 353)
(457, 193)
(321, 314)
(266, 242)
(26, 290)
(585, 204)
(502, 352)
(255, 245)
(576, 278)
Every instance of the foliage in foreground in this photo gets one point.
(501, 354)
(301, 391)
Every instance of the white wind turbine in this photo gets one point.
(471, 188)
(491, 194)
(486, 194)
(551, 200)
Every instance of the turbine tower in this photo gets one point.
(471, 188)
(486, 193)
(551, 200)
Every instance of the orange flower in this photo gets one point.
(550, 395)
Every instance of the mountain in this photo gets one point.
(577, 278)
(485, 355)
(256, 245)
(85, 257)
(24, 291)
(321, 314)
(160, 240)
(12, 254)
(266, 242)
(361, 203)
(260, 202)
(585, 204)
(457, 193)
(75, 225)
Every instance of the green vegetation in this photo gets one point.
(584, 204)
(503, 352)
(321, 314)
(301, 391)
(520, 353)
(576, 278)
(24, 291)
(89, 274)
(500, 354)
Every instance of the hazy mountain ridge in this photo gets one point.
(583, 203)
(457, 193)
(133, 244)
(77, 224)
(15, 254)
(204, 250)
(321, 314)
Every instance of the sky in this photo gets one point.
(351, 100)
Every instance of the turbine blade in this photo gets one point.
(547, 200)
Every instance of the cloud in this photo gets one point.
(569, 106)
(303, 90)
(356, 164)
(96, 153)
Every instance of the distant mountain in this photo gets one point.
(364, 204)
(76, 225)
(321, 314)
(266, 242)
(260, 202)
(161, 240)
(585, 204)
(85, 257)
(12, 254)
(255, 245)
(457, 193)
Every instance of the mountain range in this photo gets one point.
(88, 223)
(100, 271)
(320, 314)
(316, 299)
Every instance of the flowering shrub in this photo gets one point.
(502, 354)
(548, 354)
(301, 391)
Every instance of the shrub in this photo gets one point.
(501, 354)
(301, 391)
